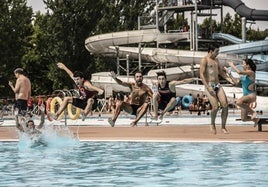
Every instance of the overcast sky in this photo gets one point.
(254, 4)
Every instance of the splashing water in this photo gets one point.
(51, 137)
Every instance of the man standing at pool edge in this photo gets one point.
(138, 103)
(210, 69)
(22, 91)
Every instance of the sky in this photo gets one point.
(254, 4)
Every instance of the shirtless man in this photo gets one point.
(27, 125)
(210, 69)
(22, 91)
(164, 97)
(138, 99)
(87, 100)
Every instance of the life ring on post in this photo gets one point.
(253, 105)
(70, 112)
(56, 101)
(186, 101)
(48, 101)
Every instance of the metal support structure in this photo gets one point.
(157, 20)
(191, 33)
(127, 61)
(156, 14)
(196, 31)
(140, 65)
(139, 28)
(117, 61)
(244, 21)
(222, 19)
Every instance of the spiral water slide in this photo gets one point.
(115, 43)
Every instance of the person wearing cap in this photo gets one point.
(22, 90)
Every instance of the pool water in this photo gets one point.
(72, 163)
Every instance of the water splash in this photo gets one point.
(51, 137)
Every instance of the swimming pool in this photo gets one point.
(134, 164)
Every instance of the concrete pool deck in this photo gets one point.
(182, 128)
(157, 133)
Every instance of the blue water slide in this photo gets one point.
(246, 48)
(228, 37)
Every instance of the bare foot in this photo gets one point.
(154, 118)
(52, 115)
(160, 117)
(133, 124)
(224, 131)
(83, 116)
(256, 121)
(111, 122)
(254, 115)
(213, 129)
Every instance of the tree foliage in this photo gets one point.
(15, 29)
(36, 42)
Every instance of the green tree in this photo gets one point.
(59, 36)
(232, 26)
(15, 29)
(208, 27)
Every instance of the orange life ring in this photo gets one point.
(70, 112)
(54, 102)
(253, 105)
(48, 108)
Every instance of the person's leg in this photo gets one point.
(140, 112)
(171, 105)
(214, 109)
(224, 104)
(244, 115)
(244, 102)
(156, 98)
(120, 105)
(88, 108)
(63, 106)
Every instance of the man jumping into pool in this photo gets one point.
(210, 69)
(138, 103)
(87, 91)
(164, 97)
(26, 124)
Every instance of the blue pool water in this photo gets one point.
(71, 163)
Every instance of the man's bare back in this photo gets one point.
(24, 88)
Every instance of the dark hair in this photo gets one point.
(161, 73)
(27, 124)
(78, 74)
(138, 71)
(19, 71)
(212, 48)
(251, 64)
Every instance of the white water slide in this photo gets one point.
(115, 43)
